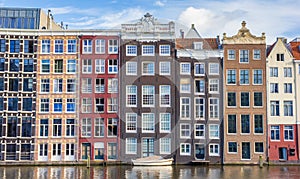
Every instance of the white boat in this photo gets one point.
(152, 161)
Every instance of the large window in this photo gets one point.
(213, 108)
(72, 46)
(12, 104)
(14, 65)
(256, 54)
(26, 127)
(2, 64)
(44, 128)
(2, 45)
(100, 46)
(71, 85)
(112, 105)
(214, 150)
(70, 128)
(86, 105)
(288, 133)
(165, 145)
(27, 84)
(87, 46)
(131, 145)
(27, 104)
(86, 127)
(112, 86)
(99, 127)
(288, 108)
(245, 99)
(164, 68)
(244, 56)
(45, 66)
(148, 96)
(131, 122)
(87, 66)
(185, 149)
(131, 68)
(274, 88)
(164, 50)
(231, 99)
(199, 69)
(214, 85)
(99, 105)
(275, 133)
(185, 108)
(99, 85)
(44, 105)
(231, 124)
(45, 46)
(100, 66)
(57, 85)
(28, 65)
(258, 124)
(1, 84)
(57, 126)
(244, 77)
(148, 68)
(14, 46)
(199, 86)
(245, 124)
(214, 132)
(148, 50)
(58, 46)
(258, 99)
(13, 84)
(112, 66)
(185, 85)
(71, 105)
(71, 66)
(288, 88)
(86, 85)
(12, 126)
(165, 122)
(164, 95)
(112, 127)
(199, 131)
(231, 54)
(232, 147)
(273, 71)
(287, 72)
(213, 68)
(185, 130)
(199, 108)
(131, 95)
(231, 77)
(131, 50)
(58, 66)
(113, 46)
(257, 77)
(274, 108)
(148, 123)
(185, 68)
(259, 147)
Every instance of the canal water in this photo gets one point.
(162, 172)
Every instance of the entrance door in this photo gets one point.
(282, 153)
(246, 150)
(86, 150)
(200, 151)
(148, 147)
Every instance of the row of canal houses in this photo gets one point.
(68, 96)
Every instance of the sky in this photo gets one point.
(277, 18)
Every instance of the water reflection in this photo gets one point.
(161, 172)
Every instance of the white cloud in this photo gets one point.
(159, 3)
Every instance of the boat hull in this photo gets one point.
(153, 162)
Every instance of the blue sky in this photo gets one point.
(277, 18)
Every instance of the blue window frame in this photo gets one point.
(14, 46)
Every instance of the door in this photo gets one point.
(246, 150)
(86, 151)
(282, 153)
(112, 151)
(199, 151)
(147, 147)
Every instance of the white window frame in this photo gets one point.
(148, 50)
(185, 130)
(165, 122)
(146, 70)
(148, 123)
(185, 106)
(164, 50)
(214, 68)
(113, 47)
(185, 68)
(164, 93)
(231, 56)
(148, 90)
(210, 130)
(100, 46)
(132, 91)
(196, 129)
(256, 56)
(131, 145)
(199, 66)
(214, 108)
(131, 50)
(100, 66)
(131, 118)
(165, 145)
(246, 56)
(215, 148)
(72, 63)
(185, 85)
(112, 66)
(112, 85)
(183, 151)
(199, 108)
(214, 86)
(86, 106)
(87, 66)
(87, 46)
(131, 68)
(164, 68)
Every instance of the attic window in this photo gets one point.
(198, 45)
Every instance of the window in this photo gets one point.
(12, 127)
(44, 105)
(231, 124)
(148, 50)
(45, 85)
(131, 96)
(26, 127)
(86, 128)
(288, 133)
(27, 104)
(71, 105)
(45, 46)
(213, 149)
(231, 99)
(275, 133)
(164, 50)
(86, 85)
(148, 68)
(28, 65)
(57, 85)
(45, 66)
(244, 77)
(148, 123)
(199, 108)
(1, 84)
(131, 122)
(199, 131)
(1, 109)
(258, 99)
(112, 85)
(288, 108)
(214, 131)
(244, 56)
(71, 85)
(100, 46)
(288, 88)
(43, 150)
(274, 87)
(185, 108)
(86, 66)
(232, 147)
(257, 77)
(148, 96)
(112, 105)
(185, 86)
(245, 124)
(199, 86)
(259, 147)
(70, 128)
(164, 95)
(112, 66)
(256, 54)
(12, 104)
(14, 65)
(287, 72)
(14, 46)
(274, 108)
(99, 127)
(58, 46)
(44, 127)
(185, 130)
(231, 77)
(164, 68)
(213, 85)
(72, 46)
(165, 122)
(70, 151)
(57, 127)
(86, 105)
(231, 54)
(2, 45)
(185, 149)
(185, 68)
(213, 108)
(100, 66)
(131, 68)
(213, 68)
(13, 84)
(199, 69)
(131, 145)
(112, 46)
(273, 71)
(245, 99)
(280, 57)
(100, 85)
(87, 46)
(99, 105)
(2, 64)
(258, 124)
(58, 66)
(131, 50)
(27, 84)
(165, 145)
(71, 66)
(112, 127)
(57, 105)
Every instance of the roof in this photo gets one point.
(208, 43)
(192, 33)
(295, 47)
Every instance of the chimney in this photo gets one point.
(193, 26)
(67, 26)
(181, 33)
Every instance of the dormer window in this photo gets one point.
(280, 57)
(198, 45)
